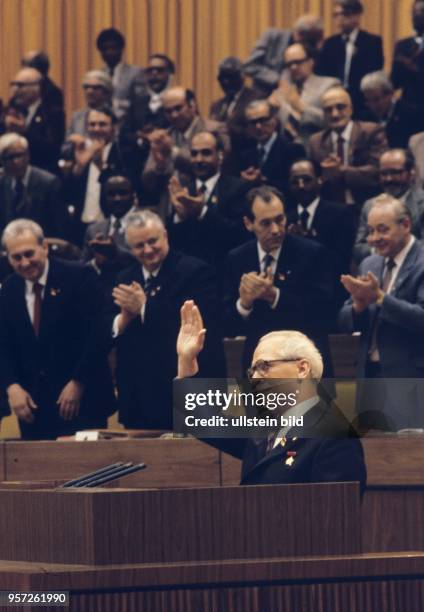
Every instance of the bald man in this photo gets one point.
(45, 125)
(348, 151)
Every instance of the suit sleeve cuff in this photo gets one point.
(244, 312)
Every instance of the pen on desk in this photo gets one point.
(123, 472)
(72, 483)
(87, 481)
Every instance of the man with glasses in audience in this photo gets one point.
(299, 93)
(269, 159)
(397, 179)
(28, 191)
(98, 90)
(44, 125)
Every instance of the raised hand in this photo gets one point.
(191, 339)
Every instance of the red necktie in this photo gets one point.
(340, 148)
(38, 296)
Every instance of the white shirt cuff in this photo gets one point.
(115, 324)
(244, 312)
(277, 297)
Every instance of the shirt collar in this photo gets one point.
(209, 184)
(25, 178)
(123, 220)
(29, 285)
(401, 256)
(352, 36)
(262, 254)
(147, 274)
(346, 134)
(32, 109)
(268, 144)
(311, 208)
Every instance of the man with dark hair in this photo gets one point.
(278, 281)
(13, 118)
(408, 61)
(353, 53)
(96, 158)
(53, 366)
(167, 146)
(206, 221)
(268, 161)
(111, 44)
(52, 94)
(328, 223)
(146, 111)
(397, 179)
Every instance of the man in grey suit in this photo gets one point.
(266, 60)
(27, 191)
(299, 93)
(397, 178)
(387, 307)
(416, 145)
(111, 44)
(98, 90)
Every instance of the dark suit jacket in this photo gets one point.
(404, 121)
(409, 75)
(325, 451)
(400, 335)
(78, 187)
(305, 277)
(220, 230)
(367, 57)
(333, 226)
(146, 354)
(45, 135)
(68, 346)
(42, 201)
(367, 143)
(275, 169)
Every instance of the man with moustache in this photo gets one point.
(397, 179)
(207, 222)
(323, 450)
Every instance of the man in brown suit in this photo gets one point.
(348, 151)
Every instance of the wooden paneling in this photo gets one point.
(395, 460)
(179, 462)
(95, 526)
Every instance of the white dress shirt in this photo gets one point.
(350, 50)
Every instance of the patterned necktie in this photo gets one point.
(261, 155)
(149, 284)
(390, 265)
(38, 296)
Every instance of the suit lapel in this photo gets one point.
(52, 298)
(22, 313)
(406, 268)
(326, 144)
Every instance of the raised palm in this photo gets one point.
(192, 333)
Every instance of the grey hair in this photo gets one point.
(20, 226)
(255, 103)
(104, 79)
(142, 217)
(308, 23)
(8, 140)
(399, 208)
(295, 345)
(377, 80)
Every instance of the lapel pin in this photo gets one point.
(214, 200)
(54, 292)
(283, 441)
(290, 458)
(282, 277)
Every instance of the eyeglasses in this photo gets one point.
(158, 69)
(174, 109)
(258, 120)
(392, 172)
(263, 366)
(95, 87)
(304, 178)
(295, 63)
(338, 107)
(20, 84)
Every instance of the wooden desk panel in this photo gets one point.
(103, 526)
(176, 463)
(394, 460)
(358, 583)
